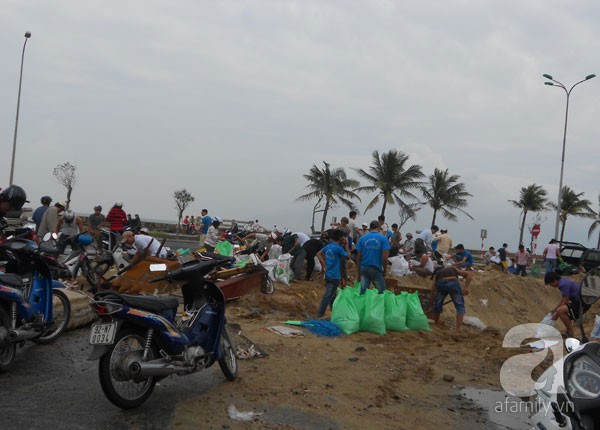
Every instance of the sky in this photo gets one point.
(236, 100)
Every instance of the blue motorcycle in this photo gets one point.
(140, 339)
(32, 305)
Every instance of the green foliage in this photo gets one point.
(444, 193)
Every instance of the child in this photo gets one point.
(330, 257)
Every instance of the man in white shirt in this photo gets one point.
(145, 246)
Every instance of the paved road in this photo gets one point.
(54, 386)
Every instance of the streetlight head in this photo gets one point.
(27, 34)
(547, 76)
(590, 76)
(549, 83)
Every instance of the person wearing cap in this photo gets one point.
(49, 221)
(95, 222)
(212, 235)
(117, 218)
(409, 244)
(145, 246)
(39, 212)
(373, 251)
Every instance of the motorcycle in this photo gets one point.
(77, 260)
(32, 305)
(569, 393)
(139, 340)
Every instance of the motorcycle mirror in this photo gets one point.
(47, 237)
(158, 267)
(572, 344)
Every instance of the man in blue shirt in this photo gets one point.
(205, 223)
(373, 251)
(330, 257)
(463, 258)
(570, 307)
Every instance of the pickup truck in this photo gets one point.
(579, 256)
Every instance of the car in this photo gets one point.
(571, 252)
(577, 256)
(590, 259)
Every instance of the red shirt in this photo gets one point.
(117, 218)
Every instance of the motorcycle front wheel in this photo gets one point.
(61, 315)
(228, 361)
(8, 350)
(120, 387)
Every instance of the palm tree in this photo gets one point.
(444, 193)
(391, 179)
(532, 199)
(595, 224)
(332, 185)
(572, 203)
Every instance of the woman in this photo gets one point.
(445, 281)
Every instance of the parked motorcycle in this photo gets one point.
(77, 260)
(140, 341)
(32, 306)
(569, 397)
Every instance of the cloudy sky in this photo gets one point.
(236, 100)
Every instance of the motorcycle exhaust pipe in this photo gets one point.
(18, 335)
(156, 369)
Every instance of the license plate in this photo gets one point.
(103, 334)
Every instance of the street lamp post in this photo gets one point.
(556, 83)
(12, 163)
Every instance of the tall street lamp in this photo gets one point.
(12, 163)
(556, 83)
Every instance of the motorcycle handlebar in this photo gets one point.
(207, 263)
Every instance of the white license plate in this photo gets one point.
(103, 334)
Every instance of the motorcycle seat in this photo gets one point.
(11, 279)
(49, 248)
(156, 304)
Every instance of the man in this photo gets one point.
(444, 243)
(330, 257)
(382, 225)
(551, 254)
(12, 199)
(117, 218)
(503, 257)
(422, 265)
(409, 244)
(39, 212)
(463, 258)
(299, 254)
(311, 248)
(354, 230)
(424, 238)
(395, 240)
(50, 219)
(373, 251)
(68, 228)
(569, 308)
(522, 258)
(95, 222)
(145, 246)
(205, 223)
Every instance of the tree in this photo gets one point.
(596, 224)
(573, 203)
(391, 179)
(330, 185)
(65, 175)
(182, 201)
(444, 193)
(532, 199)
(407, 213)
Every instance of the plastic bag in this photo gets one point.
(395, 311)
(224, 248)
(270, 265)
(373, 316)
(318, 267)
(344, 313)
(283, 271)
(546, 328)
(399, 266)
(415, 317)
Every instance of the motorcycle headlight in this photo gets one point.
(584, 378)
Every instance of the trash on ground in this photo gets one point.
(285, 331)
(475, 322)
(234, 414)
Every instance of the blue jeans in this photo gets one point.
(329, 296)
(442, 289)
(370, 274)
(550, 265)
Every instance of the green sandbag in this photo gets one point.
(415, 317)
(225, 248)
(373, 316)
(344, 313)
(395, 311)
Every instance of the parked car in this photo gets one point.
(590, 259)
(577, 256)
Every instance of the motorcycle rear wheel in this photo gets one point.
(8, 350)
(228, 362)
(119, 387)
(61, 315)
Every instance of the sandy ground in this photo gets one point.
(401, 380)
